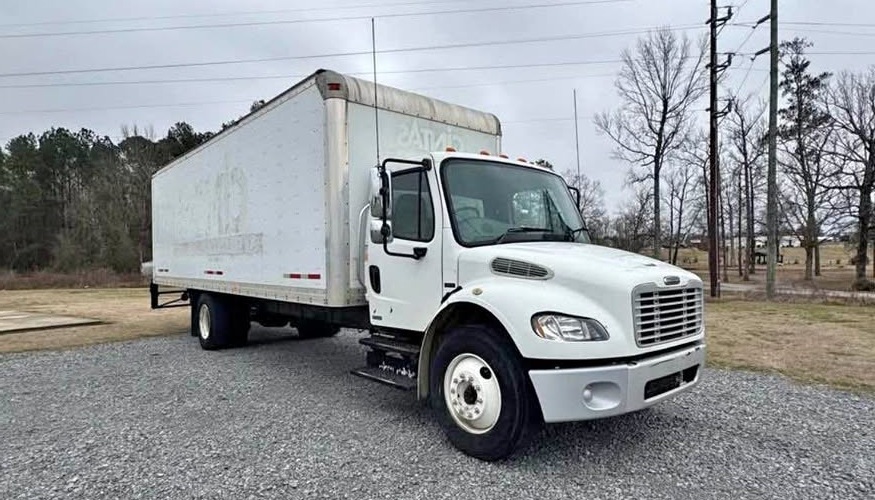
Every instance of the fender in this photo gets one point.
(512, 302)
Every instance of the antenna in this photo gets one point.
(576, 136)
(376, 109)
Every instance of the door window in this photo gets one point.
(412, 210)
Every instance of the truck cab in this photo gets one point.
(486, 263)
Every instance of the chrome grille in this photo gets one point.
(519, 269)
(663, 315)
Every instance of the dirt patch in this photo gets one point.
(125, 313)
(820, 343)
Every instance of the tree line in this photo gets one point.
(826, 156)
(76, 200)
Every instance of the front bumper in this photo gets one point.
(590, 393)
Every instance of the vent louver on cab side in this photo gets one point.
(520, 269)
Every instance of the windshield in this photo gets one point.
(492, 203)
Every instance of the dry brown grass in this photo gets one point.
(125, 311)
(94, 278)
(810, 342)
(837, 272)
(818, 343)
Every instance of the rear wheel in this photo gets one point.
(240, 324)
(311, 329)
(481, 395)
(213, 325)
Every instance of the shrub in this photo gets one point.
(863, 285)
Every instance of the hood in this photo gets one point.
(587, 263)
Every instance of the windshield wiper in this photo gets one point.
(522, 229)
(572, 233)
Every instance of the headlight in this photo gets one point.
(552, 326)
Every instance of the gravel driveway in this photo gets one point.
(160, 418)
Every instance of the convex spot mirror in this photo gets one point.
(379, 230)
(380, 194)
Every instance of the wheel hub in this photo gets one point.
(204, 321)
(472, 394)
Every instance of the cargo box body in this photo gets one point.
(270, 207)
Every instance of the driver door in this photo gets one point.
(404, 292)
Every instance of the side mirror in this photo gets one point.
(380, 194)
(379, 231)
(576, 195)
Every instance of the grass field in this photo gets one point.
(810, 342)
(817, 343)
(837, 271)
(125, 311)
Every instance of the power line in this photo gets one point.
(514, 82)
(824, 23)
(746, 74)
(298, 21)
(204, 103)
(299, 76)
(346, 54)
(225, 14)
(139, 106)
(419, 89)
(835, 32)
(811, 23)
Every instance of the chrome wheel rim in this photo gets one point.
(472, 393)
(204, 321)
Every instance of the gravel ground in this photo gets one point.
(160, 418)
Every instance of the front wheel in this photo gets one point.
(481, 393)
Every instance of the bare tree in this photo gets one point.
(804, 133)
(684, 181)
(659, 81)
(748, 149)
(850, 102)
(633, 225)
(592, 204)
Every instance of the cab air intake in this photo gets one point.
(519, 269)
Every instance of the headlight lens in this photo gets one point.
(553, 326)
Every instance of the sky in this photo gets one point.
(547, 49)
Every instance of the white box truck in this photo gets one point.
(472, 274)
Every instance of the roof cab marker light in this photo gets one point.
(333, 86)
(521, 159)
(484, 152)
(502, 155)
(450, 149)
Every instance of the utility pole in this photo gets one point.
(771, 175)
(714, 170)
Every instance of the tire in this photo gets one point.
(314, 329)
(485, 378)
(213, 322)
(240, 325)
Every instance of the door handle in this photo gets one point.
(374, 274)
(419, 252)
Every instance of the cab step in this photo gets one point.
(389, 344)
(387, 377)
